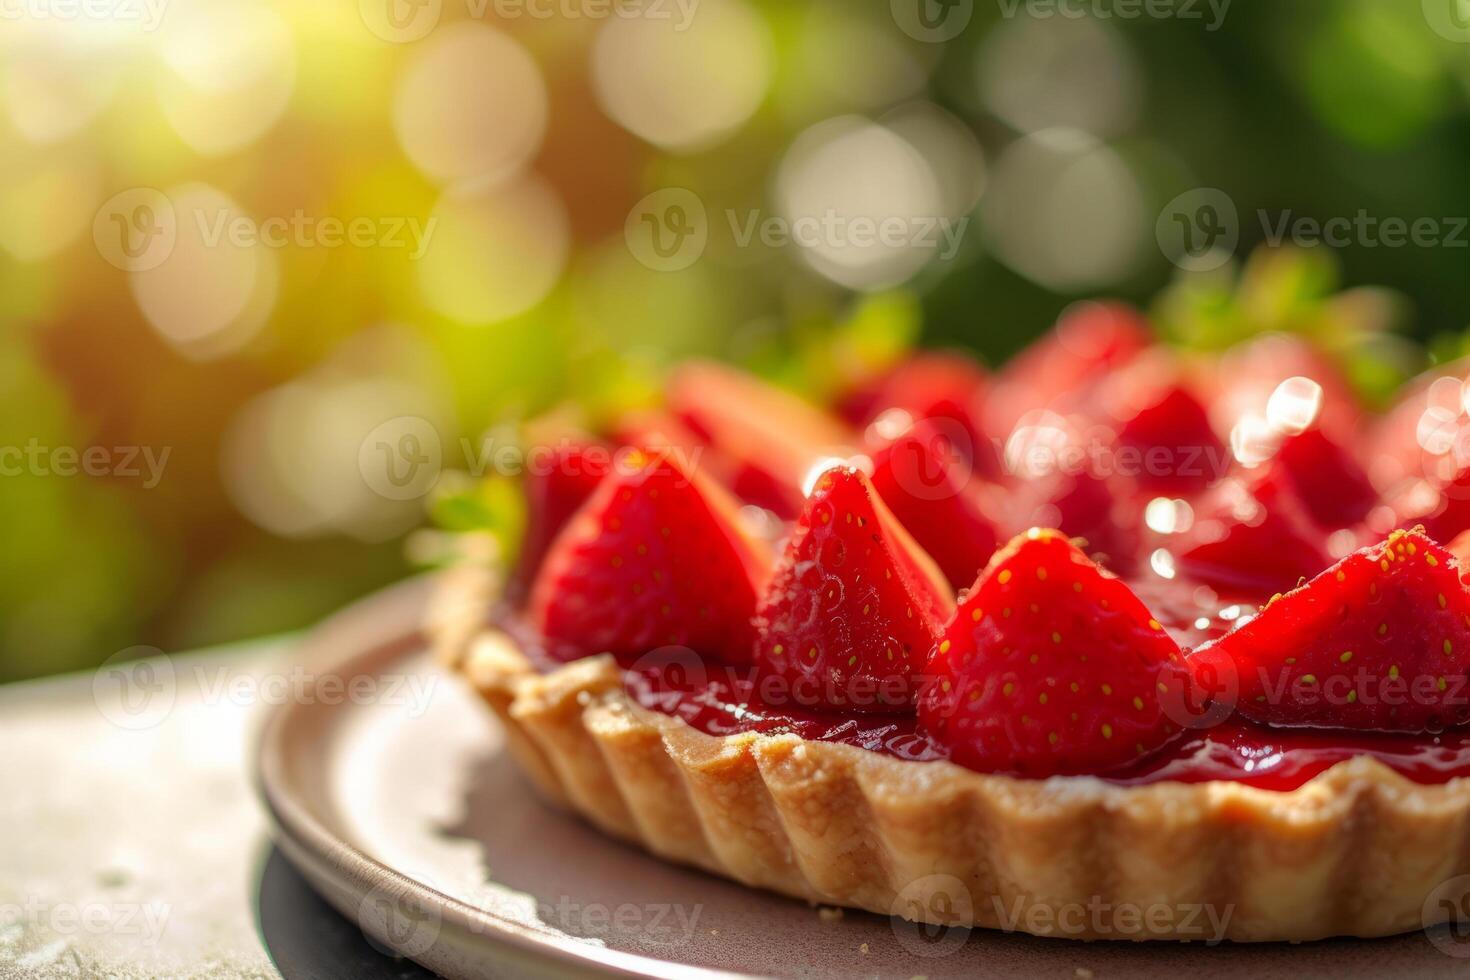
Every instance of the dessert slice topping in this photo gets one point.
(1380, 641)
(1051, 666)
(854, 606)
(653, 558)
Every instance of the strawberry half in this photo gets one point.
(653, 558)
(1090, 341)
(768, 439)
(948, 387)
(1087, 507)
(1177, 448)
(930, 489)
(561, 481)
(1252, 539)
(1051, 665)
(854, 606)
(1330, 482)
(1379, 641)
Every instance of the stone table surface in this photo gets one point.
(132, 843)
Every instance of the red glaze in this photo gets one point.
(727, 701)
(723, 699)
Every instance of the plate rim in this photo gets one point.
(340, 645)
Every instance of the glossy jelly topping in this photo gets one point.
(722, 699)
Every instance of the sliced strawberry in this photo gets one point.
(948, 387)
(771, 437)
(855, 605)
(1460, 547)
(1444, 511)
(1089, 341)
(1051, 665)
(1177, 449)
(653, 558)
(1424, 434)
(1252, 538)
(931, 490)
(1241, 381)
(560, 480)
(1086, 507)
(915, 384)
(1327, 479)
(1380, 641)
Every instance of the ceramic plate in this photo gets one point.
(390, 789)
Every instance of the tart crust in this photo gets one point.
(1357, 851)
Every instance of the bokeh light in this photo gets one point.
(493, 251)
(1064, 210)
(471, 104)
(844, 178)
(684, 85)
(217, 286)
(1038, 73)
(231, 69)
